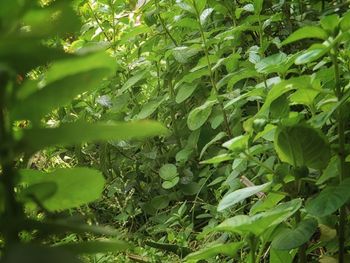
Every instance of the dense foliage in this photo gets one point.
(174, 131)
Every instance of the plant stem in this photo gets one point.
(211, 75)
(259, 163)
(173, 113)
(302, 249)
(252, 245)
(98, 22)
(341, 153)
(163, 25)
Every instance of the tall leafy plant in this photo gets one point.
(25, 100)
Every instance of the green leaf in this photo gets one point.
(306, 32)
(218, 159)
(31, 253)
(43, 101)
(21, 53)
(149, 108)
(240, 195)
(283, 87)
(39, 191)
(75, 186)
(205, 15)
(313, 53)
(198, 116)
(217, 137)
(184, 92)
(134, 32)
(183, 54)
(168, 171)
(259, 223)
(278, 256)
(331, 171)
(140, 75)
(160, 201)
(272, 64)
(301, 145)
(211, 251)
(200, 5)
(237, 144)
(293, 238)
(329, 200)
(258, 5)
(65, 68)
(59, 19)
(233, 78)
(345, 22)
(171, 183)
(74, 133)
(330, 23)
(95, 246)
(304, 96)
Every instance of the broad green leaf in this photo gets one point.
(205, 15)
(259, 223)
(149, 108)
(218, 159)
(184, 92)
(32, 253)
(278, 256)
(268, 133)
(183, 54)
(200, 5)
(160, 201)
(283, 87)
(304, 96)
(21, 53)
(192, 76)
(315, 52)
(171, 183)
(329, 200)
(237, 144)
(229, 249)
(345, 22)
(306, 32)
(140, 75)
(135, 31)
(258, 5)
(59, 18)
(187, 22)
(240, 195)
(65, 68)
(331, 171)
(74, 133)
(233, 78)
(95, 246)
(39, 191)
(168, 171)
(293, 238)
(217, 137)
(330, 23)
(301, 145)
(75, 186)
(198, 116)
(43, 101)
(270, 201)
(274, 63)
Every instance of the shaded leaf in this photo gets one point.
(293, 238)
(240, 195)
(75, 186)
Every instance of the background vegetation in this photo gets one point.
(174, 131)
